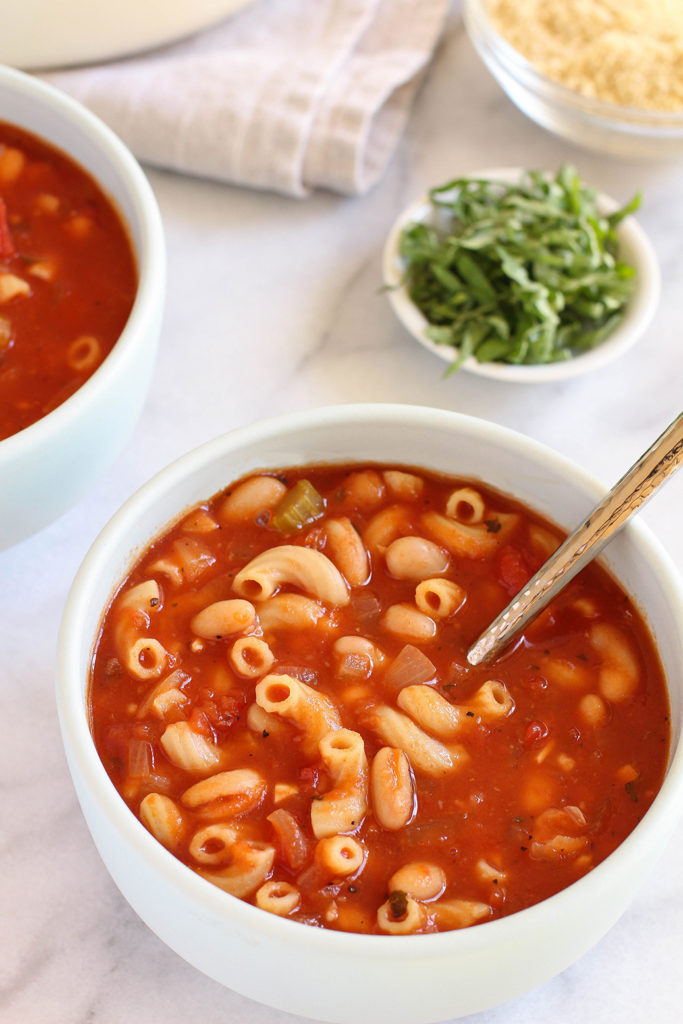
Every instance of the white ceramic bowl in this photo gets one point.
(47, 467)
(329, 975)
(635, 248)
(596, 124)
(56, 33)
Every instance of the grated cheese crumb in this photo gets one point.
(628, 52)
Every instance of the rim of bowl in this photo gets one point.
(638, 314)
(72, 707)
(150, 253)
(94, 43)
(635, 120)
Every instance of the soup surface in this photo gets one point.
(280, 693)
(67, 278)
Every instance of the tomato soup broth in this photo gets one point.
(280, 692)
(67, 278)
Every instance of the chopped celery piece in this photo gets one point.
(299, 506)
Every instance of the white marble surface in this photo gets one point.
(272, 306)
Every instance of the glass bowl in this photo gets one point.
(597, 124)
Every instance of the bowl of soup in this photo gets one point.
(82, 278)
(284, 757)
(75, 32)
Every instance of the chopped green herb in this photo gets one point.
(398, 904)
(518, 273)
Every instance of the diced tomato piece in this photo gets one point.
(217, 714)
(309, 779)
(200, 723)
(534, 734)
(513, 571)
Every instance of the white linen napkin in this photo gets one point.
(287, 95)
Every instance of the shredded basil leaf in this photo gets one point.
(518, 273)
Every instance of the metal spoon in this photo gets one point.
(585, 543)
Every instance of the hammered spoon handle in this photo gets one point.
(585, 543)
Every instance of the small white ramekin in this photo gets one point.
(635, 248)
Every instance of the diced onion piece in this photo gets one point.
(409, 667)
(140, 759)
(290, 838)
(366, 607)
(12, 287)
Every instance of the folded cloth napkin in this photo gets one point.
(287, 95)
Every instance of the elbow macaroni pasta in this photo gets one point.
(464, 540)
(466, 505)
(438, 598)
(84, 353)
(279, 898)
(430, 710)
(163, 818)
(250, 864)
(339, 856)
(492, 700)
(424, 753)
(306, 568)
(342, 808)
(412, 918)
(236, 791)
(312, 712)
(187, 749)
(619, 673)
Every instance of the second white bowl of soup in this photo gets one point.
(82, 286)
(293, 775)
